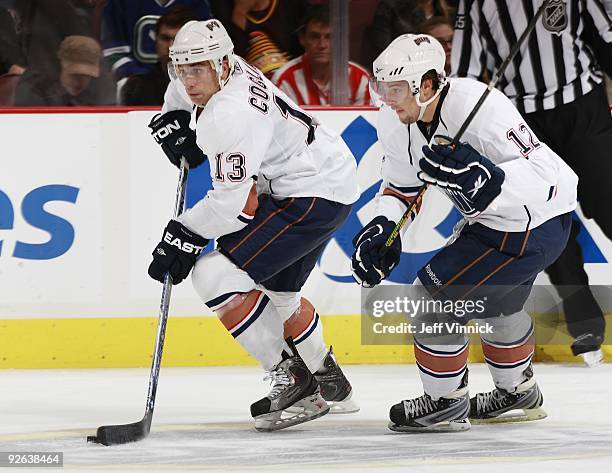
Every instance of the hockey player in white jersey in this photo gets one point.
(515, 195)
(281, 186)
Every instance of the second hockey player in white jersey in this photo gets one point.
(281, 186)
(516, 196)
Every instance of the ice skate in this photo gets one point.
(588, 346)
(335, 388)
(424, 414)
(499, 405)
(292, 386)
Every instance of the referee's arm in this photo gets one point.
(598, 32)
(602, 21)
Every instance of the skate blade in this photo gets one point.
(309, 408)
(451, 426)
(348, 406)
(527, 415)
(593, 359)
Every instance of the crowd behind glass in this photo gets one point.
(115, 52)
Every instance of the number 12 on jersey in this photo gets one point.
(518, 140)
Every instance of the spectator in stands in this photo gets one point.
(149, 88)
(128, 33)
(307, 78)
(91, 13)
(12, 60)
(397, 17)
(263, 31)
(79, 82)
(43, 24)
(358, 24)
(431, 8)
(441, 29)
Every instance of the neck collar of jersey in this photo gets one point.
(428, 129)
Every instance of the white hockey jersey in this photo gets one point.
(257, 139)
(538, 184)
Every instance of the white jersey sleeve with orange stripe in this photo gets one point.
(400, 182)
(235, 149)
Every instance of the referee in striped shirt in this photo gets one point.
(556, 82)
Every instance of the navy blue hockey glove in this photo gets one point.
(171, 131)
(470, 179)
(176, 253)
(368, 264)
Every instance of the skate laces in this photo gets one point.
(419, 406)
(279, 379)
(490, 401)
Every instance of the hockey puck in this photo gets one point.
(92, 439)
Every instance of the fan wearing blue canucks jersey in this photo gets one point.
(128, 35)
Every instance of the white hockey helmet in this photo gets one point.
(199, 41)
(407, 58)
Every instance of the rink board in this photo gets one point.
(82, 208)
(195, 341)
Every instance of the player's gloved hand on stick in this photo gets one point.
(368, 264)
(470, 179)
(171, 131)
(176, 253)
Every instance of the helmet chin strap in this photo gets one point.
(423, 105)
(219, 70)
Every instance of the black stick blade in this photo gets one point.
(120, 434)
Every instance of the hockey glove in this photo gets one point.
(176, 253)
(471, 180)
(171, 131)
(368, 264)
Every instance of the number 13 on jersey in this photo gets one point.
(230, 166)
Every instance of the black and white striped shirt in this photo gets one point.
(553, 67)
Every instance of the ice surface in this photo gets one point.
(202, 423)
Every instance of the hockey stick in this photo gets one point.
(492, 83)
(124, 433)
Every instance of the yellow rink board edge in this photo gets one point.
(193, 341)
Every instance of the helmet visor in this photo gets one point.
(391, 92)
(201, 71)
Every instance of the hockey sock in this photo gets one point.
(509, 349)
(253, 321)
(441, 367)
(305, 328)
